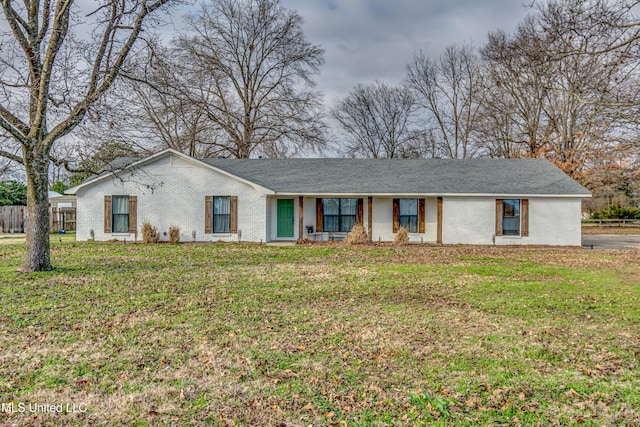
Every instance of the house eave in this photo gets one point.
(73, 190)
(408, 195)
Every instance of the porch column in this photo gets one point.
(300, 218)
(439, 238)
(370, 218)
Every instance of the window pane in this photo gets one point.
(331, 223)
(221, 223)
(120, 205)
(408, 206)
(339, 214)
(511, 207)
(221, 214)
(222, 205)
(347, 222)
(330, 206)
(511, 226)
(348, 206)
(413, 225)
(404, 221)
(120, 211)
(410, 222)
(120, 223)
(511, 217)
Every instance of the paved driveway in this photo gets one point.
(612, 241)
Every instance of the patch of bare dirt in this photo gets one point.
(7, 239)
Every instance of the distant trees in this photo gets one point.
(592, 27)
(598, 41)
(147, 111)
(88, 165)
(249, 69)
(164, 115)
(236, 82)
(450, 90)
(13, 193)
(59, 187)
(564, 85)
(517, 76)
(375, 120)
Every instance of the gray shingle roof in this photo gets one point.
(406, 176)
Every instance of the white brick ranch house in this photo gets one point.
(478, 201)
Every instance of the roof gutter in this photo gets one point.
(501, 195)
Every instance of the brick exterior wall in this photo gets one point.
(171, 191)
(552, 221)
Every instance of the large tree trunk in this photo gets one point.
(38, 257)
(31, 74)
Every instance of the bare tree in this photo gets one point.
(565, 86)
(500, 132)
(450, 90)
(592, 27)
(597, 46)
(147, 110)
(376, 120)
(518, 70)
(422, 144)
(50, 78)
(170, 120)
(8, 168)
(248, 63)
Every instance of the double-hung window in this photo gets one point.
(409, 214)
(120, 214)
(221, 214)
(511, 217)
(339, 215)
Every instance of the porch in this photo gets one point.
(330, 217)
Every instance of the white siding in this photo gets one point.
(308, 216)
(431, 220)
(383, 221)
(472, 220)
(171, 191)
(468, 220)
(554, 222)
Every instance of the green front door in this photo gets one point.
(285, 217)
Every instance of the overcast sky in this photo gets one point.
(366, 40)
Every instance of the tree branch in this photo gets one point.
(59, 33)
(11, 157)
(65, 164)
(13, 125)
(97, 89)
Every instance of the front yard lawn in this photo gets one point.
(232, 334)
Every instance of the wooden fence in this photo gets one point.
(62, 219)
(613, 222)
(13, 219)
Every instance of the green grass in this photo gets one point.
(321, 335)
